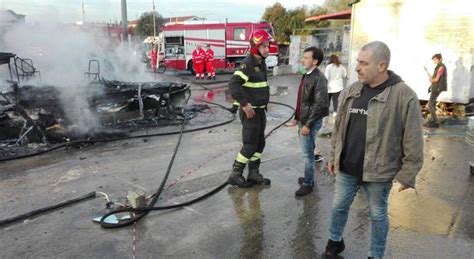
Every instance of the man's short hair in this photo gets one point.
(318, 54)
(438, 56)
(380, 51)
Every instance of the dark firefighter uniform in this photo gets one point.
(249, 85)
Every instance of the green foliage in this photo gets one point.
(287, 22)
(145, 24)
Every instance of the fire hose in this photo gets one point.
(139, 213)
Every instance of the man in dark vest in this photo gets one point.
(439, 83)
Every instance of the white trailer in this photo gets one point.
(415, 30)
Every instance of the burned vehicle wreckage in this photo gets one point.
(36, 119)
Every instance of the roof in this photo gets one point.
(181, 18)
(10, 16)
(343, 15)
(133, 22)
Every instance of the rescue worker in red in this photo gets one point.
(249, 87)
(199, 60)
(211, 73)
(153, 55)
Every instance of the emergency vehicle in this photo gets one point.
(230, 42)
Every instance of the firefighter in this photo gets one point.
(211, 73)
(249, 87)
(199, 60)
(153, 57)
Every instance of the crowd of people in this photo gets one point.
(377, 136)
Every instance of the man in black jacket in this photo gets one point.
(249, 87)
(312, 106)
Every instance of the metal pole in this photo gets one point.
(124, 19)
(154, 22)
(83, 14)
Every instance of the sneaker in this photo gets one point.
(318, 158)
(304, 190)
(333, 248)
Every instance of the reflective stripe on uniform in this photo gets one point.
(256, 85)
(256, 107)
(256, 156)
(241, 159)
(242, 75)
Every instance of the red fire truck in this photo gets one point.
(230, 42)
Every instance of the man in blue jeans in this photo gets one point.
(377, 137)
(311, 107)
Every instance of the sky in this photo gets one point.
(109, 10)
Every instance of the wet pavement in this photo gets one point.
(436, 221)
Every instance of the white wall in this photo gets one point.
(415, 30)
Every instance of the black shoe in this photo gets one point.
(236, 177)
(318, 158)
(333, 248)
(233, 110)
(208, 78)
(431, 124)
(300, 180)
(304, 190)
(214, 78)
(258, 179)
(239, 181)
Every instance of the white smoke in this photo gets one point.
(62, 52)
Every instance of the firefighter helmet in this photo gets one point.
(257, 38)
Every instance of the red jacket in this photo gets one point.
(199, 56)
(210, 55)
(153, 55)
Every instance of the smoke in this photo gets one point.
(62, 52)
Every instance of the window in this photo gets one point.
(239, 34)
(174, 40)
(269, 30)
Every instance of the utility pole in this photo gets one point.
(83, 14)
(154, 22)
(124, 20)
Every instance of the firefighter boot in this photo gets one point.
(236, 177)
(255, 178)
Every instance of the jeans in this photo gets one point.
(334, 97)
(308, 145)
(432, 106)
(376, 195)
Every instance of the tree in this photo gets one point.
(145, 24)
(337, 5)
(309, 27)
(287, 22)
(277, 15)
(296, 19)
